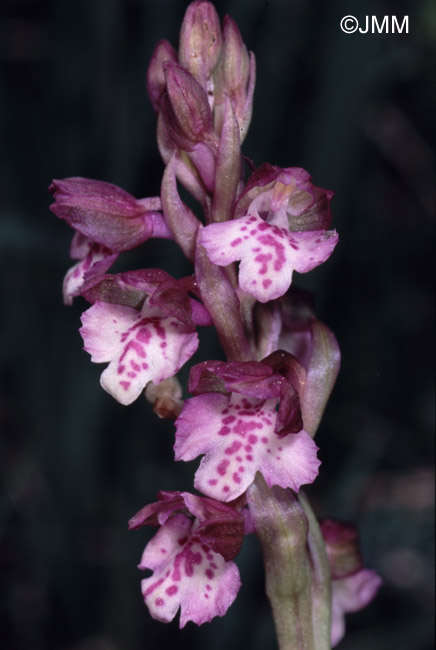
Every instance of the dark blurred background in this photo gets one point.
(356, 111)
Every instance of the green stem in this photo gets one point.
(321, 579)
(282, 529)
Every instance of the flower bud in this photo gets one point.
(235, 76)
(163, 51)
(235, 62)
(200, 40)
(166, 397)
(105, 213)
(185, 108)
(341, 539)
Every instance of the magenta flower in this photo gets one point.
(280, 225)
(238, 436)
(353, 587)
(147, 344)
(190, 557)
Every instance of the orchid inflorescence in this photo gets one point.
(252, 417)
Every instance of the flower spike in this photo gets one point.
(253, 415)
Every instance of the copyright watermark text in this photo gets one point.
(374, 25)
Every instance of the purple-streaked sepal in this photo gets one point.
(105, 213)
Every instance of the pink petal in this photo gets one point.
(80, 246)
(238, 439)
(140, 347)
(98, 260)
(351, 594)
(187, 574)
(102, 325)
(268, 254)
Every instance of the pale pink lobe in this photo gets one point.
(268, 254)
(187, 575)
(98, 259)
(351, 594)
(237, 439)
(140, 347)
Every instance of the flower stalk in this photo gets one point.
(281, 527)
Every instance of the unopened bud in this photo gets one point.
(185, 108)
(165, 397)
(163, 51)
(235, 62)
(341, 540)
(200, 40)
(235, 76)
(105, 213)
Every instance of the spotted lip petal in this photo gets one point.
(187, 575)
(139, 346)
(237, 438)
(268, 254)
